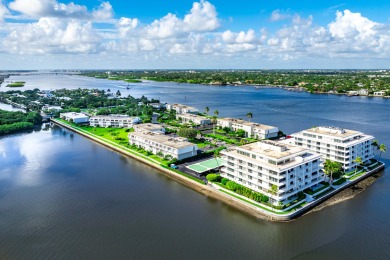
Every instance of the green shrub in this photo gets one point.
(224, 181)
(231, 185)
(212, 177)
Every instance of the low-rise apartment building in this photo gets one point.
(251, 129)
(149, 127)
(263, 164)
(177, 147)
(193, 119)
(182, 109)
(118, 121)
(337, 144)
(77, 118)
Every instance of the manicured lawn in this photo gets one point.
(357, 175)
(311, 192)
(323, 193)
(340, 181)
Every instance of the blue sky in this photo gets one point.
(200, 34)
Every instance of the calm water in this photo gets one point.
(62, 196)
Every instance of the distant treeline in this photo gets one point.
(11, 122)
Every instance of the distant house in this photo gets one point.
(195, 119)
(380, 93)
(148, 127)
(251, 129)
(156, 105)
(176, 147)
(117, 121)
(78, 118)
(182, 109)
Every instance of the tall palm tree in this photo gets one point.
(330, 167)
(216, 113)
(382, 149)
(214, 121)
(206, 110)
(249, 116)
(358, 161)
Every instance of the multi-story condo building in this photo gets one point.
(148, 127)
(251, 129)
(114, 121)
(263, 164)
(336, 144)
(182, 109)
(195, 119)
(177, 147)
(77, 118)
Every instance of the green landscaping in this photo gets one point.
(339, 181)
(16, 84)
(311, 192)
(12, 122)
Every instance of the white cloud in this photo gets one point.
(53, 36)
(241, 37)
(3, 11)
(202, 17)
(53, 8)
(278, 16)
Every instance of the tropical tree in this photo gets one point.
(382, 149)
(249, 116)
(273, 189)
(206, 110)
(358, 161)
(330, 167)
(375, 144)
(216, 113)
(214, 121)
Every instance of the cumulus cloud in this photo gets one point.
(52, 35)
(53, 8)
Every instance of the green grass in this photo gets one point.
(311, 192)
(340, 181)
(223, 138)
(357, 175)
(16, 84)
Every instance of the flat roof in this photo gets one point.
(193, 116)
(74, 115)
(183, 106)
(247, 123)
(115, 116)
(176, 142)
(332, 131)
(149, 126)
(273, 149)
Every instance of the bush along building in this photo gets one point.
(281, 171)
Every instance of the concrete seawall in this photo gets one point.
(208, 190)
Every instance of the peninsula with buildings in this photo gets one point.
(249, 165)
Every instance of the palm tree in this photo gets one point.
(382, 149)
(249, 116)
(330, 167)
(358, 161)
(216, 113)
(206, 110)
(214, 121)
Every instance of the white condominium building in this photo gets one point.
(149, 127)
(195, 119)
(114, 121)
(336, 144)
(251, 129)
(77, 118)
(182, 109)
(263, 164)
(177, 147)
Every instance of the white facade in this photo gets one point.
(337, 144)
(114, 121)
(251, 129)
(379, 93)
(149, 127)
(177, 147)
(182, 109)
(263, 164)
(156, 105)
(195, 119)
(77, 118)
